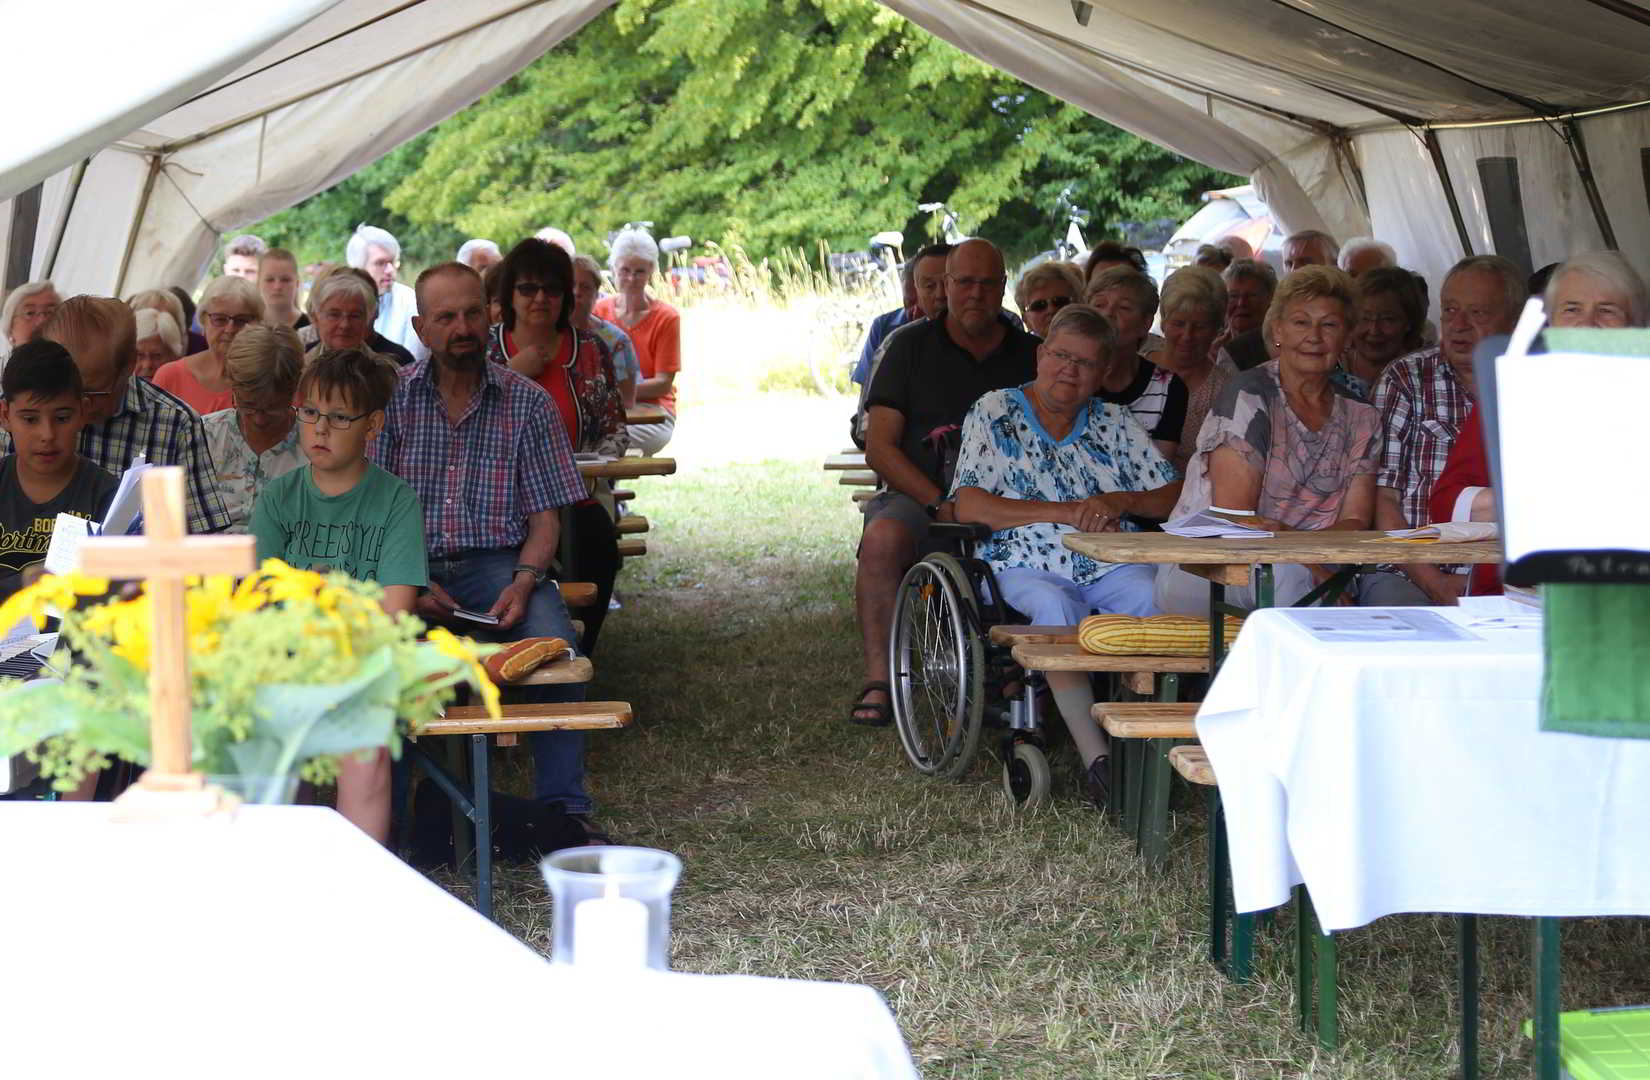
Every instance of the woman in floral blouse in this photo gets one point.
(535, 336)
(1048, 458)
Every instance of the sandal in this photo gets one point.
(872, 713)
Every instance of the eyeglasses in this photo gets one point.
(529, 289)
(977, 282)
(336, 421)
(1037, 307)
(219, 321)
(261, 410)
(1063, 358)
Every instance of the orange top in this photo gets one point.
(658, 339)
(176, 379)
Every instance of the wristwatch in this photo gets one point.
(933, 508)
(538, 575)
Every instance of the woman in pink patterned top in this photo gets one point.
(1283, 442)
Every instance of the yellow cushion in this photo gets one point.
(1150, 635)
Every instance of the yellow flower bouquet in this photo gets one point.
(289, 669)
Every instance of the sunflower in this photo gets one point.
(459, 649)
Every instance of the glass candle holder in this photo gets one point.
(611, 907)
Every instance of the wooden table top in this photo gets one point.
(1321, 546)
(645, 414)
(627, 468)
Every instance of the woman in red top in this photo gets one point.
(535, 337)
(653, 325)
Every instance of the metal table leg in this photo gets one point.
(1544, 963)
(1467, 938)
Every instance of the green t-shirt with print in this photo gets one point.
(372, 532)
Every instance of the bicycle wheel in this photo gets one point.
(937, 663)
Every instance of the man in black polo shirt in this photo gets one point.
(931, 373)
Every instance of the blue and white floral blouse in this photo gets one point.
(1006, 452)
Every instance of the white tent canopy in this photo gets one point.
(1444, 127)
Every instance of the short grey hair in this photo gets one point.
(15, 301)
(471, 247)
(1612, 269)
(1049, 273)
(1515, 286)
(154, 323)
(265, 361)
(552, 235)
(246, 244)
(1125, 277)
(236, 289)
(1085, 322)
(1330, 246)
(355, 252)
(1195, 285)
(1360, 244)
(160, 300)
(589, 266)
(1251, 270)
(342, 281)
(633, 243)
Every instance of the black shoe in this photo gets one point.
(1097, 782)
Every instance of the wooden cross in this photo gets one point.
(165, 555)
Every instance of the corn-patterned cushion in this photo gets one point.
(1150, 635)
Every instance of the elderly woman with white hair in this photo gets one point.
(378, 253)
(340, 317)
(1128, 300)
(159, 342)
(587, 287)
(1361, 254)
(1193, 306)
(1048, 458)
(26, 311)
(479, 254)
(655, 328)
(228, 306)
(1044, 289)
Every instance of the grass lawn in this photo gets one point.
(1008, 944)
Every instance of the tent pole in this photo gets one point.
(25, 222)
(63, 218)
(1584, 168)
(137, 222)
(1439, 166)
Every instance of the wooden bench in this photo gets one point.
(859, 479)
(632, 523)
(631, 549)
(845, 460)
(1139, 673)
(1192, 762)
(1010, 634)
(1148, 719)
(577, 593)
(623, 495)
(1144, 733)
(863, 496)
(475, 805)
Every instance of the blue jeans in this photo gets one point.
(474, 579)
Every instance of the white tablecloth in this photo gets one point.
(287, 944)
(1414, 777)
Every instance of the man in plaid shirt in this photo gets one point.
(126, 417)
(1423, 399)
(486, 452)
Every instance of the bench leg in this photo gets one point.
(1234, 957)
(458, 768)
(1467, 938)
(482, 788)
(1317, 969)
(1153, 835)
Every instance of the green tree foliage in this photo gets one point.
(763, 123)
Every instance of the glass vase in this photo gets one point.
(611, 907)
(258, 790)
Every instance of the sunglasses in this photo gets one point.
(1037, 307)
(529, 289)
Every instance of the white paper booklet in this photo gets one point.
(1342, 624)
(126, 508)
(1450, 532)
(1201, 523)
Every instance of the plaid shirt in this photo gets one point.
(1422, 406)
(151, 422)
(506, 458)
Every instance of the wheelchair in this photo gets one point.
(948, 676)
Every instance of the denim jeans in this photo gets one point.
(474, 579)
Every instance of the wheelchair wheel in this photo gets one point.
(1026, 776)
(937, 662)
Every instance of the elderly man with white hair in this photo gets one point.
(378, 253)
(552, 235)
(1364, 253)
(479, 254)
(1309, 247)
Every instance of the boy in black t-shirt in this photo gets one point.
(44, 408)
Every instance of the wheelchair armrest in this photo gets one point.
(958, 530)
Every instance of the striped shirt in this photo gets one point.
(1422, 406)
(507, 458)
(152, 422)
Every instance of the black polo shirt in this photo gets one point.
(933, 382)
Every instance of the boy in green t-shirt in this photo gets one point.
(44, 411)
(342, 512)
